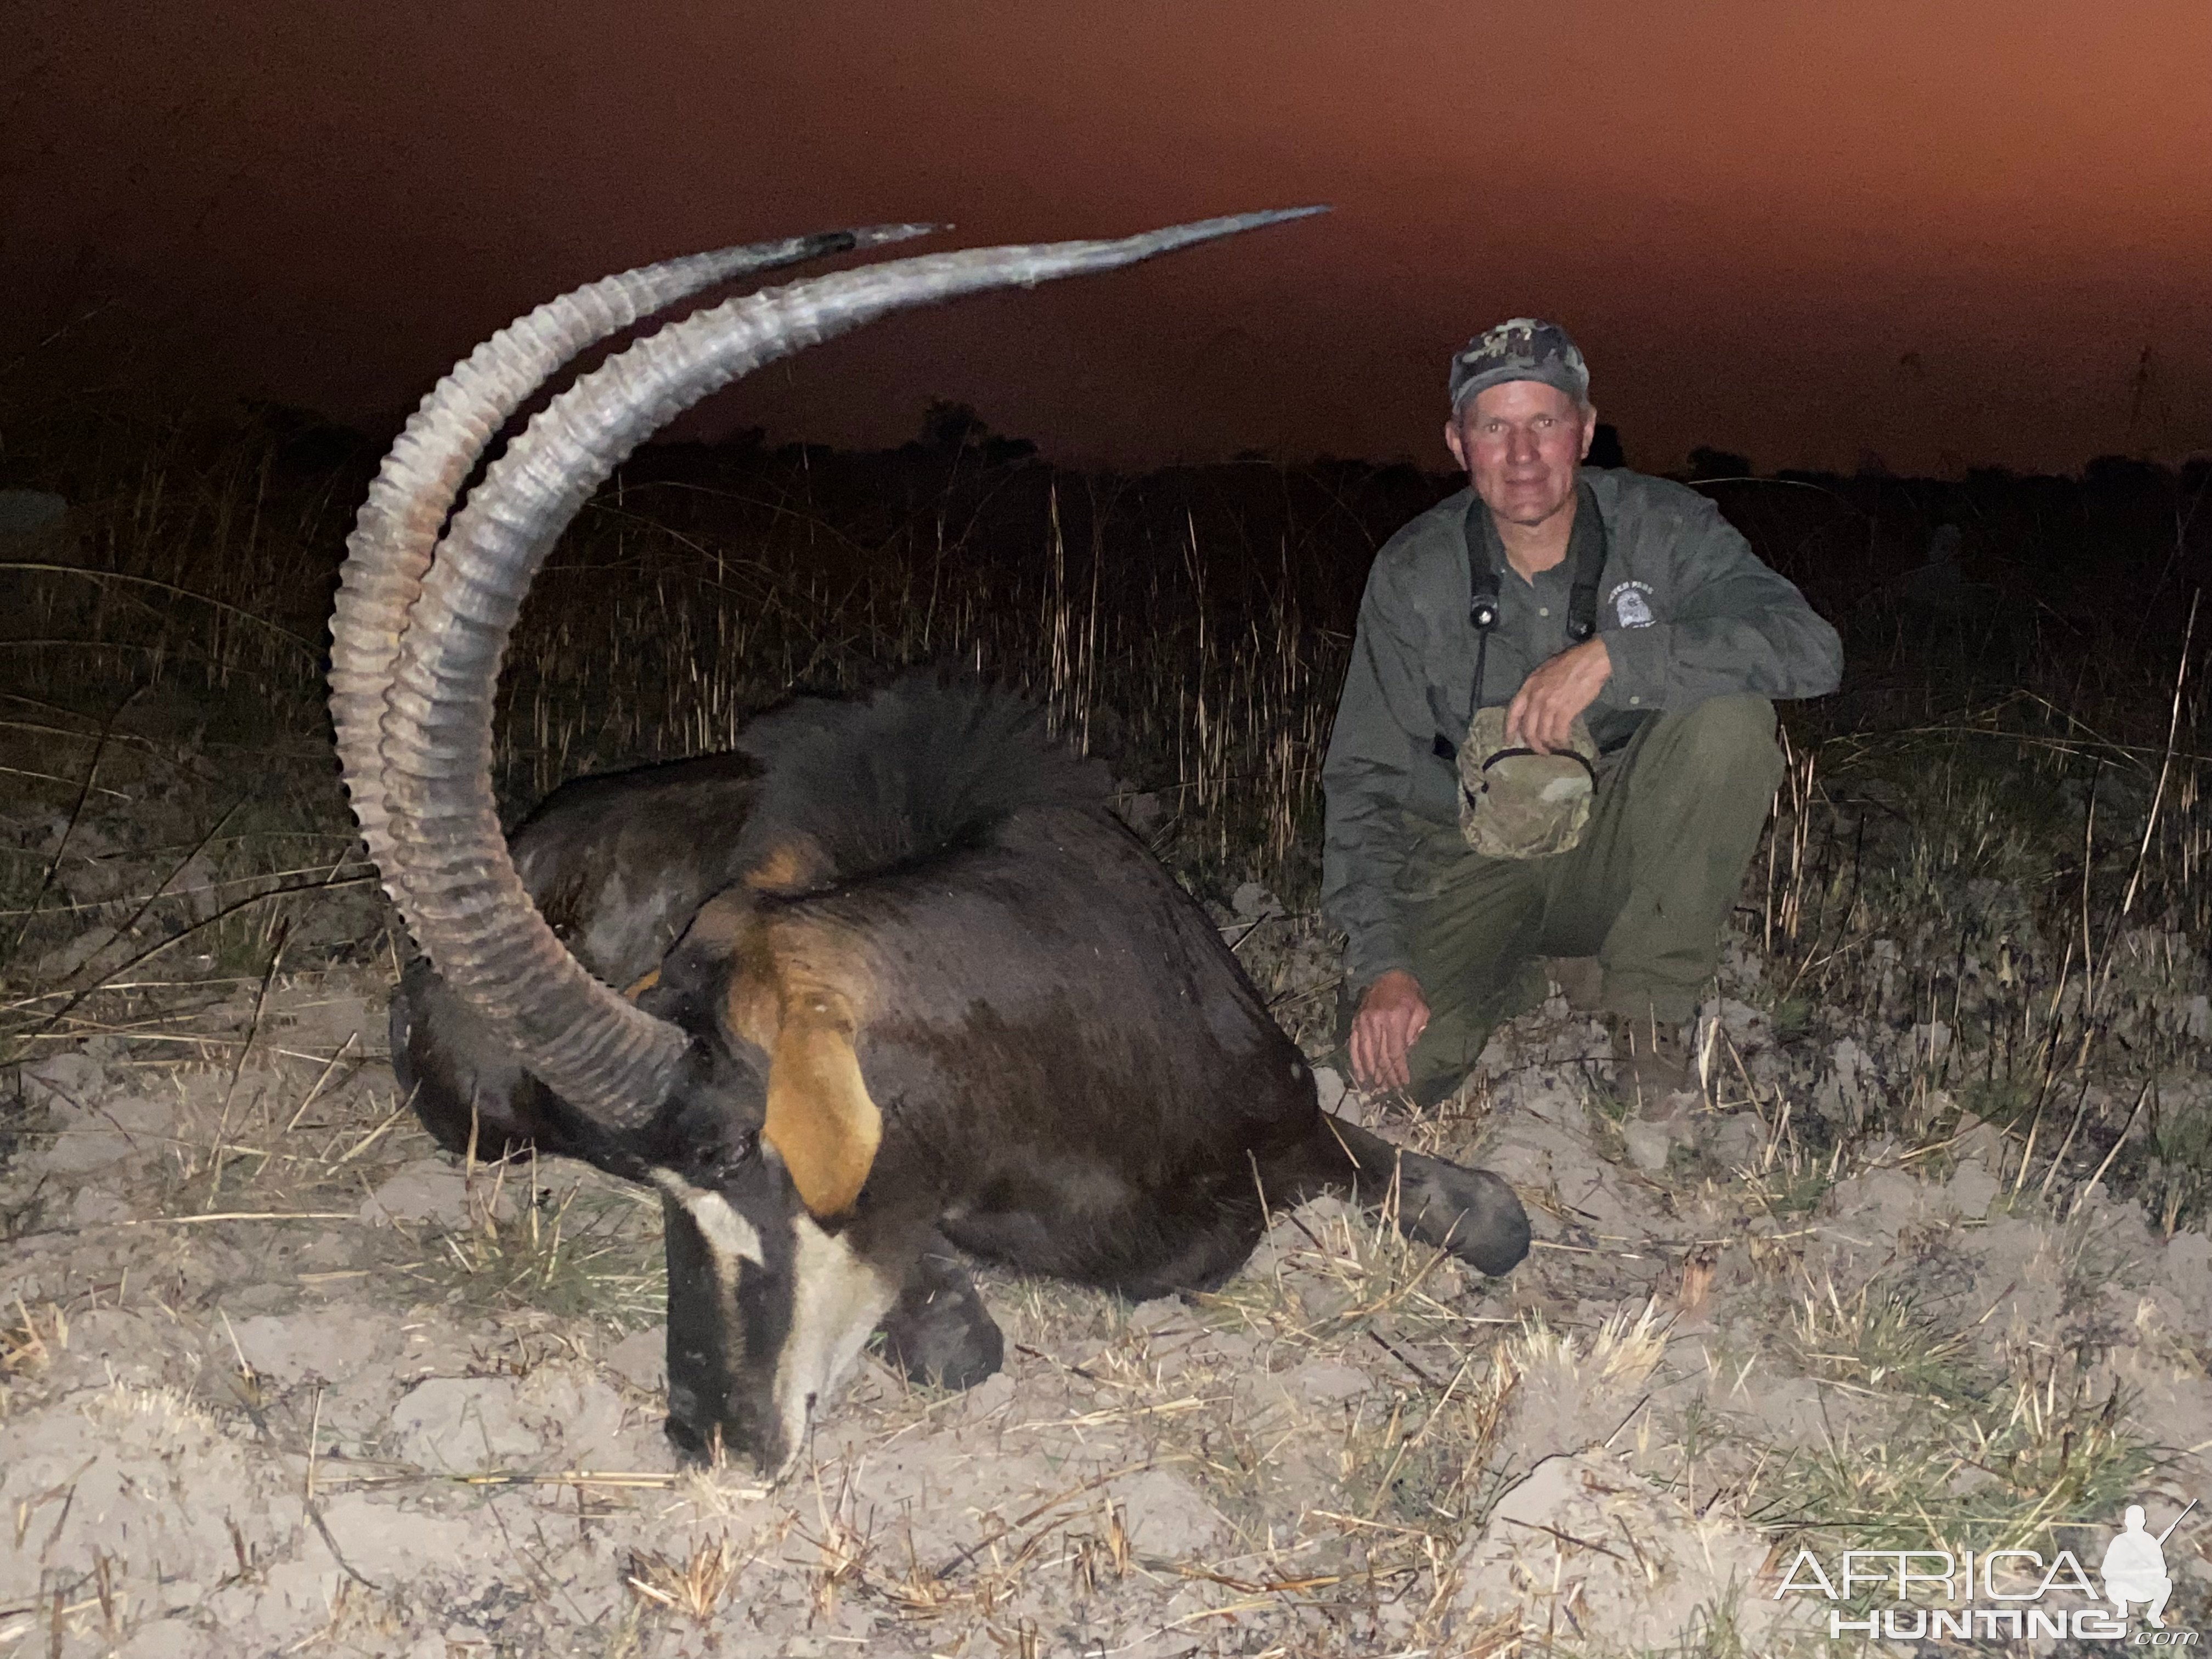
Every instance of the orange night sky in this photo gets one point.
(1945, 233)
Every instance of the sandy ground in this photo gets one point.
(280, 1379)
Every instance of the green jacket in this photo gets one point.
(1686, 612)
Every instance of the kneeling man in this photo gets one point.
(1556, 738)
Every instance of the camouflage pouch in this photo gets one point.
(1516, 804)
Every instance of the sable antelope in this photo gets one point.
(903, 986)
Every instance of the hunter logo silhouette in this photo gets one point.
(2134, 1567)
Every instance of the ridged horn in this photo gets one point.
(398, 525)
(456, 887)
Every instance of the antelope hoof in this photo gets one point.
(939, 1333)
(1472, 1213)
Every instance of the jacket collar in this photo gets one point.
(1587, 538)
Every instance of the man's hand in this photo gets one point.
(1545, 707)
(1392, 1016)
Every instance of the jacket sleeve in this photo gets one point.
(1382, 726)
(1734, 625)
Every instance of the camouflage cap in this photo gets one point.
(1516, 804)
(1519, 348)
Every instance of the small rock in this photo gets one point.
(1167, 1517)
(1254, 903)
(1330, 1090)
(96, 1207)
(67, 958)
(1853, 1086)
(140, 1117)
(1972, 1190)
(89, 1145)
(2189, 1261)
(67, 1084)
(1979, 1142)
(1143, 813)
(1736, 1139)
(333, 1342)
(1648, 1144)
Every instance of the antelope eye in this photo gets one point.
(726, 1157)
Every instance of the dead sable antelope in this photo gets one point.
(903, 985)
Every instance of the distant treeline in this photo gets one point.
(2124, 539)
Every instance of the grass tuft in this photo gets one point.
(693, 1585)
(590, 1249)
(1881, 1336)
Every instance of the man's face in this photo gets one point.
(1521, 443)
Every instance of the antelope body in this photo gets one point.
(925, 996)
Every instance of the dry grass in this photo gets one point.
(29, 1342)
(1349, 1275)
(2022, 873)
(1618, 1355)
(2002, 1478)
(1879, 1336)
(2018, 888)
(695, 1586)
(1990, 868)
(575, 1245)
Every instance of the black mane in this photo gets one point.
(923, 768)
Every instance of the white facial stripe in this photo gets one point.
(726, 1233)
(839, 1299)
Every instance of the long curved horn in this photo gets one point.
(406, 507)
(457, 887)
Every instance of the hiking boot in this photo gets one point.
(1429, 1093)
(1581, 982)
(1653, 1063)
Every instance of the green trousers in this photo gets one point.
(1676, 819)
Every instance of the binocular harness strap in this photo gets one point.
(1482, 583)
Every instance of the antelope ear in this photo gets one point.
(820, 1119)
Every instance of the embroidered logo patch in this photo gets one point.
(1632, 605)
